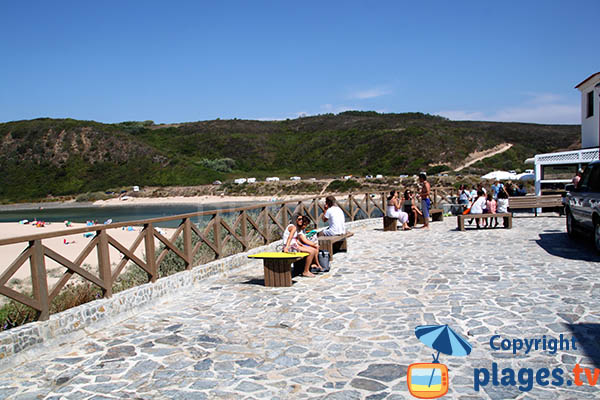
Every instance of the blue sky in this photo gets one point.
(180, 61)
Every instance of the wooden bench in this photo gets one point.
(507, 217)
(535, 202)
(334, 244)
(278, 267)
(435, 215)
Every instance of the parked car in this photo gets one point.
(295, 178)
(217, 182)
(582, 204)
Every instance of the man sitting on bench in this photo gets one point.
(334, 216)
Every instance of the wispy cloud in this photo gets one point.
(370, 93)
(541, 108)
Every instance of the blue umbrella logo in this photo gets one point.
(443, 339)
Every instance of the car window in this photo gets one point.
(594, 182)
(585, 179)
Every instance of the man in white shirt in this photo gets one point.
(335, 217)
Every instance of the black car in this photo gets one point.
(582, 204)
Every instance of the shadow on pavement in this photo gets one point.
(588, 338)
(559, 244)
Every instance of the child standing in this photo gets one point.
(491, 209)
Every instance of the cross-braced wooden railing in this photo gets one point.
(224, 230)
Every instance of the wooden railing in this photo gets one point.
(265, 221)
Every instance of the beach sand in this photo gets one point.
(21, 280)
(192, 200)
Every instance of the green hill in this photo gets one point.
(64, 157)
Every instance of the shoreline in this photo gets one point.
(141, 201)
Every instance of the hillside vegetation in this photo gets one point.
(57, 157)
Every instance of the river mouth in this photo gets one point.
(120, 213)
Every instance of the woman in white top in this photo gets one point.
(478, 205)
(502, 201)
(294, 240)
(394, 210)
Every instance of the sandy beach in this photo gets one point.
(68, 245)
(128, 200)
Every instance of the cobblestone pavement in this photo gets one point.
(348, 334)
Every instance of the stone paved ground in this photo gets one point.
(348, 334)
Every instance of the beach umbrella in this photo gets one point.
(526, 177)
(500, 175)
(443, 339)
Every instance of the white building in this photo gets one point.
(590, 110)
(560, 168)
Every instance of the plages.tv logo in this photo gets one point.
(430, 380)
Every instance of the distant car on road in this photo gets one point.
(582, 204)
(378, 176)
(295, 178)
(369, 177)
(217, 182)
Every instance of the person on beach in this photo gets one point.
(490, 208)
(334, 216)
(409, 206)
(502, 201)
(394, 210)
(577, 177)
(463, 196)
(478, 205)
(293, 239)
(496, 188)
(310, 242)
(425, 198)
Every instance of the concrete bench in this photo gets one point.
(507, 217)
(278, 267)
(334, 244)
(535, 202)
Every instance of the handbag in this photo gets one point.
(324, 260)
(468, 210)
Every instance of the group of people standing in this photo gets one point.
(404, 207)
(296, 239)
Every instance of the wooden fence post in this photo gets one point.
(150, 251)
(39, 279)
(104, 262)
(266, 224)
(350, 208)
(284, 211)
(217, 234)
(187, 242)
(244, 227)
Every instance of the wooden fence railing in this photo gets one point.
(264, 222)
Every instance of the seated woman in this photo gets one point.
(478, 205)
(295, 241)
(409, 207)
(394, 210)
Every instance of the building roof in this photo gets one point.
(587, 79)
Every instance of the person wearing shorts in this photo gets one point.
(425, 198)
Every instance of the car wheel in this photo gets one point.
(570, 224)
